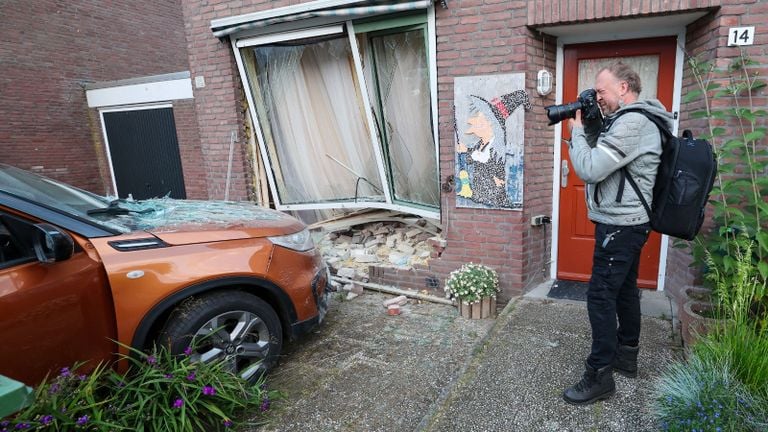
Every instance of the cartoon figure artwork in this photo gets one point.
(489, 163)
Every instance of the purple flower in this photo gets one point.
(227, 423)
(54, 388)
(21, 426)
(46, 419)
(209, 391)
(151, 359)
(121, 384)
(265, 405)
(82, 420)
(82, 377)
(191, 376)
(65, 372)
(178, 403)
(168, 376)
(188, 351)
(4, 423)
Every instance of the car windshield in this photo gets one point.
(56, 195)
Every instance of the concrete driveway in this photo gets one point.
(430, 370)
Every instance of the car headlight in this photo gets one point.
(300, 241)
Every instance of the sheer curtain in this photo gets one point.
(320, 143)
(402, 75)
(645, 66)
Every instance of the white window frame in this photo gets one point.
(245, 40)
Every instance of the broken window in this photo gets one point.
(345, 115)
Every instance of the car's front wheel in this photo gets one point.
(237, 328)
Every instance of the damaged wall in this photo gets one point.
(474, 37)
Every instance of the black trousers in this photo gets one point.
(613, 290)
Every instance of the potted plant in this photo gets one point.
(474, 288)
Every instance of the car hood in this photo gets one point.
(190, 221)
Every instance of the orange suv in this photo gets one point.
(79, 271)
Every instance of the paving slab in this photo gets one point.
(364, 370)
(428, 369)
(536, 350)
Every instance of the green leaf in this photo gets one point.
(721, 114)
(762, 267)
(713, 85)
(755, 135)
(762, 239)
(718, 131)
(699, 114)
(758, 84)
(692, 95)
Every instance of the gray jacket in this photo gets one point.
(632, 141)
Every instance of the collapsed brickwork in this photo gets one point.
(386, 253)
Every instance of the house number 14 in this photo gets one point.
(741, 36)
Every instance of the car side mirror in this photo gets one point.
(51, 244)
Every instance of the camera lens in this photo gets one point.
(558, 113)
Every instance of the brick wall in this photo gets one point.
(193, 165)
(479, 37)
(706, 40)
(562, 12)
(474, 37)
(219, 105)
(49, 50)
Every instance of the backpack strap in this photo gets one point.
(625, 174)
(663, 131)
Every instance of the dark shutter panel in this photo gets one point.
(145, 153)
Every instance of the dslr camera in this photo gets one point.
(586, 102)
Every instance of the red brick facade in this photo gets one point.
(47, 123)
(50, 50)
(474, 37)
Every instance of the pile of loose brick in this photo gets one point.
(351, 252)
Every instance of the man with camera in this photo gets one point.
(599, 148)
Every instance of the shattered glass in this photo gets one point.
(167, 213)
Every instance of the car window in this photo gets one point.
(15, 241)
(56, 195)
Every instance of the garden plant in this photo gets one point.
(472, 283)
(723, 383)
(158, 392)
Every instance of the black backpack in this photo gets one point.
(685, 178)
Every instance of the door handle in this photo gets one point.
(564, 173)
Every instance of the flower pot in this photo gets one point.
(696, 320)
(485, 308)
(689, 293)
(698, 293)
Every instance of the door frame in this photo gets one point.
(613, 37)
(102, 111)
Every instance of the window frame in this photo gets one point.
(249, 39)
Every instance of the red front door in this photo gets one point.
(654, 60)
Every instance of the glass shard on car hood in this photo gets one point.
(166, 214)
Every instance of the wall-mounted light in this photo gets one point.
(544, 82)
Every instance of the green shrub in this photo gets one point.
(701, 394)
(745, 348)
(159, 392)
(739, 291)
(737, 131)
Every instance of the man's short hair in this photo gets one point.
(625, 73)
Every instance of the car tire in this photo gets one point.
(236, 327)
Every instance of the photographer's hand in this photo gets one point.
(575, 122)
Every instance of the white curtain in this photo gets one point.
(402, 76)
(647, 67)
(314, 110)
